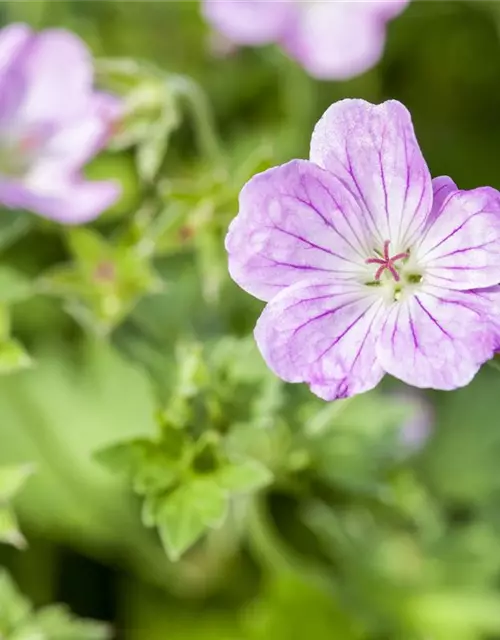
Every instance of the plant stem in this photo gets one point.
(201, 113)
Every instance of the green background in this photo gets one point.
(326, 556)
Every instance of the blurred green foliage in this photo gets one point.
(177, 489)
(19, 622)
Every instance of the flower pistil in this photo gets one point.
(387, 262)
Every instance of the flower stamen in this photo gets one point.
(387, 262)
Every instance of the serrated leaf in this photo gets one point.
(245, 477)
(157, 475)
(239, 359)
(104, 282)
(18, 621)
(57, 623)
(13, 357)
(188, 512)
(12, 478)
(9, 529)
(124, 457)
(148, 464)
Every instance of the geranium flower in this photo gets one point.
(368, 266)
(52, 123)
(332, 39)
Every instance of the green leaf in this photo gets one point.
(104, 282)
(188, 512)
(247, 476)
(9, 529)
(239, 359)
(125, 457)
(13, 357)
(150, 465)
(12, 478)
(57, 623)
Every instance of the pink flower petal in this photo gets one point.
(336, 40)
(250, 22)
(295, 222)
(51, 123)
(442, 187)
(72, 202)
(323, 333)
(373, 150)
(435, 339)
(386, 9)
(460, 247)
(13, 39)
(75, 143)
(56, 71)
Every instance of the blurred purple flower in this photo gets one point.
(333, 39)
(416, 429)
(52, 122)
(368, 265)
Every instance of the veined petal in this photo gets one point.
(374, 151)
(323, 333)
(436, 339)
(488, 300)
(442, 188)
(322, 40)
(296, 222)
(250, 22)
(460, 247)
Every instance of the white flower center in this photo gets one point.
(396, 273)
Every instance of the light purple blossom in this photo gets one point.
(332, 39)
(368, 266)
(52, 122)
(417, 427)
